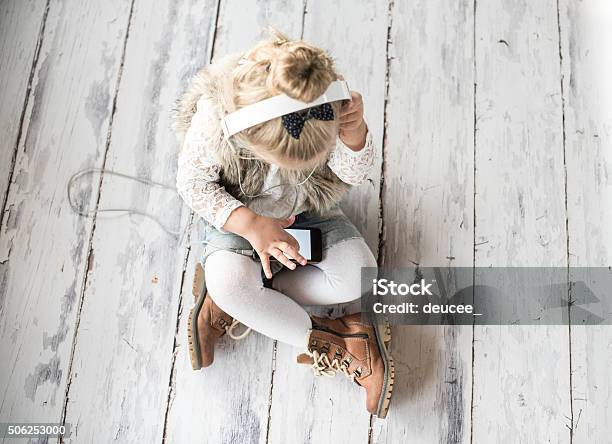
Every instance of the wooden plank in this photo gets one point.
(428, 209)
(586, 36)
(363, 63)
(43, 245)
(323, 409)
(128, 319)
(21, 31)
(521, 373)
(229, 401)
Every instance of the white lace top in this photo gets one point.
(198, 175)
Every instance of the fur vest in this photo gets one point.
(322, 191)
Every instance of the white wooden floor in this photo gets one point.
(495, 123)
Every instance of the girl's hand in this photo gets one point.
(353, 129)
(268, 238)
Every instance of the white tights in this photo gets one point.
(234, 282)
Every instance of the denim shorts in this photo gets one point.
(335, 228)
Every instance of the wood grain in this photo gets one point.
(135, 269)
(44, 245)
(586, 37)
(21, 31)
(496, 124)
(322, 408)
(363, 63)
(521, 373)
(229, 401)
(428, 209)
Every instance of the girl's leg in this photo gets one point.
(336, 279)
(234, 283)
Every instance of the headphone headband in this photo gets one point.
(277, 106)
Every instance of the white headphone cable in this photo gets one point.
(129, 211)
(90, 213)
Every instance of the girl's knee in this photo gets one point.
(357, 264)
(357, 253)
(230, 277)
(368, 259)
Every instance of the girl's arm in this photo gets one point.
(352, 158)
(197, 183)
(352, 167)
(198, 174)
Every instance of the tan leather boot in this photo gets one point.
(206, 324)
(357, 349)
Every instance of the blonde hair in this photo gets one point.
(301, 71)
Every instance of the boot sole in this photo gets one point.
(383, 339)
(199, 295)
(386, 334)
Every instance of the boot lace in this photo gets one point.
(322, 366)
(229, 329)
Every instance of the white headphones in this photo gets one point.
(278, 106)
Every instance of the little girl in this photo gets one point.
(290, 171)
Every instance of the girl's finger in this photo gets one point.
(265, 263)
(282, 258)
(356, 97)
(351, 111)
(350, 117)
(292, 251)
(348, 108)
(290, 240)
(350, 126)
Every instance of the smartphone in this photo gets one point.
(311, 243)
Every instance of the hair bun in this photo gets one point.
(301, 71)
